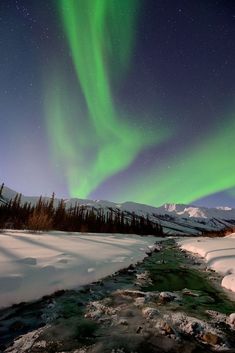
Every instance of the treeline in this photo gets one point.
(218, 233)
(44, 216)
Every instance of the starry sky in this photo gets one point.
(125, 100)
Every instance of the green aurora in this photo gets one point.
(98, 142)
(203, 169)
(101, 142)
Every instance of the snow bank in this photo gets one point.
(33, 265)
(219, 254)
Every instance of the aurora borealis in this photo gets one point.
(111, 139)
(119, 99)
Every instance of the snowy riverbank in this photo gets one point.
(219, 254)
(37, 264)
(163, 304)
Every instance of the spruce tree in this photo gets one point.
(1, 189)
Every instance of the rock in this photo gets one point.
(186, 324)
(131, 267)
(40, 344)
(107, 301)
(167, 296)
(158, 247)
(193, 328)
(150, 313)
(186, 291)
(211, 338)
(132, 293)
(139, 329)
(139, 302)
(216, 316)
(152, 296)
(123, 322)
(231, 319)
(97, 309)
(95, 315)
(25, 343)
(123, 271)
(118, 350)
(149, 253)
(143, 279)
(167, 328)
(153, 248)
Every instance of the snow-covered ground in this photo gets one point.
(33, 265)
(219, 254)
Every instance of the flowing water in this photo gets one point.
(169, 270)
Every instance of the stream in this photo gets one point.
(167, 303)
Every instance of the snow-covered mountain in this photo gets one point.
(175, 218)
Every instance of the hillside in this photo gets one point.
(176, 219)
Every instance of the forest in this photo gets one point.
(45, 216)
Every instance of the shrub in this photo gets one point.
(40, 220)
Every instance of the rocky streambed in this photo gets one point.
(167, 303)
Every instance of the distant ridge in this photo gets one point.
(176, 219)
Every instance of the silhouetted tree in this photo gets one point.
(1, 189)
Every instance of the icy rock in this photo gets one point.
(93, 314)
(167, 328)
(197, 328)
(192, 328)
(231, 319)
(40, 344)
(167, 296)
(96, 309)
(152, 296)
(211, 338)
(155, 248)
(163, 327)
(150, 313)
(143, 278)
(25, 343)
(132, 293)
(189, 292)
(139, 302)
(216, 316)
(149, 252)
(123, 322)
(185, 324)
(118, 350)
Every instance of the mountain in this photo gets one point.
(176, 219)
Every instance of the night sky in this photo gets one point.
(123, 100)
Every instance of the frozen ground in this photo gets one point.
(219, 254)
(33, 265)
